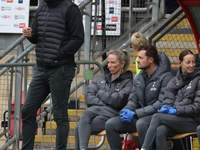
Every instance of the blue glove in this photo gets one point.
(130, 114)
(164, 109)
(122, 115)
(96, 94)
(126, 115)
(172, 110)
(124, 111)
(125, 120)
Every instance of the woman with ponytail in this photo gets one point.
(105, 97)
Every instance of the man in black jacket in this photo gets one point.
(58, 33)
(145, 98)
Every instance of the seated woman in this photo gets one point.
(180, 112)
(105, 97)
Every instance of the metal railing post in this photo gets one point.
(155, 11)
(87, 43)
(18, 94)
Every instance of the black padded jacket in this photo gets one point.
(57, 32)
(110, 95)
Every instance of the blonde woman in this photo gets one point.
(105, 97)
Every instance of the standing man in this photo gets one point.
(145, 98)
(58, 33)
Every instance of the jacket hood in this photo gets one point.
(126, 75)
(164, 63)
(163, 66)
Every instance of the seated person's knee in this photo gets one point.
(198, 129)
(108, 125)
(161, 130)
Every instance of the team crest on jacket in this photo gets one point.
(103, 81)
(117, 87)
(189, 85)
(153, 88)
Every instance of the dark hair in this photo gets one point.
(151, 51)
(184, 53)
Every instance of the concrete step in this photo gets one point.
(46, 141)
(177, 37)
(72, 112)
(40, 146)
(172, 65)
(52, 126)
(183, 23)
(82, 98)
(170, 52)
(132, 68)
(181, 28)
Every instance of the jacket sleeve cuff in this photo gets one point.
(135, 116)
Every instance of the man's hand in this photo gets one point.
(27, 32)
(126, 116)
(164, 109)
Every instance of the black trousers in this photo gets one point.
(54, 80)
(115, 127)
